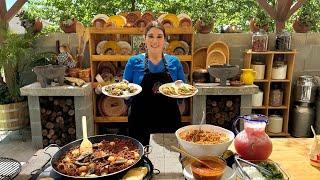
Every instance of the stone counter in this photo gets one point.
(83, 106)
(205, 89)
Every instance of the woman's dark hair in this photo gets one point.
(154, 24)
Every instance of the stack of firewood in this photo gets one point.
(222, 110)
(57, 120)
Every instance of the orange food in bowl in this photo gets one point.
(202, 172)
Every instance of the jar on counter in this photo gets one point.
(275, 123)
(257, 99)
(260, 41)
(283, 41)
(279, 69)
(276, 96)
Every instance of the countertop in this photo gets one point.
(290, 153)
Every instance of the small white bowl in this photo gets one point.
(199, 150)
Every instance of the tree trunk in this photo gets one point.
(280, 25)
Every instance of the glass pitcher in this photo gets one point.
(253, 143)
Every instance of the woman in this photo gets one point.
(150, 111)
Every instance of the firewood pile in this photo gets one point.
(222, 110)
(57, 120)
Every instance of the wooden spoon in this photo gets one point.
(192, 157)
(86, 145)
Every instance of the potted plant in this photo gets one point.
(306, 18)
(204, 14)
(261, 20)
(68, 23)
(30, 22)
(16, 57)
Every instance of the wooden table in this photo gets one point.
(290, 153)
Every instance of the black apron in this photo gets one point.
(150, 111)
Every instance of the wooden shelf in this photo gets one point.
(271, 52)
(134, 30)
(267, 84)
(259, 107)
(279, 80)
(279, 107)
(107, 119)
(261, 80)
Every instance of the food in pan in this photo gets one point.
(107, 157)
(204, 137)
(121, 88)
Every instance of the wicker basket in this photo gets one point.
(221, 46)
(216, 57)
(84, 74)
(13, 116)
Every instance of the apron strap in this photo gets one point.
(146, 64)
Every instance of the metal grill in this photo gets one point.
(9, 168)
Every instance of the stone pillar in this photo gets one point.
(82, 103)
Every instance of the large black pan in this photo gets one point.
(96, 139)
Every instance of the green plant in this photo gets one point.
(66, 18)
(262, 18)
(309, 14)
(17, 55)
(203, 11)
(27, 19)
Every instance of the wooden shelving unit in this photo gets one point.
(267, 82)
(96, 33)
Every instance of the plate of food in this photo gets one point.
(123, 89)
(178, 89)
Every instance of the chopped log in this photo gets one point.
(45, 142)
(43, 110)
(48, 112)
(65, 109)
(71, 130)
(215, 109)
(58, 142)
(71, 112)
(69, 102)
(54, 137)
(51, 141)
(49, 125)
(59, 119)
(44, 132)
(56, 102)
(51, 132)
(229, 103)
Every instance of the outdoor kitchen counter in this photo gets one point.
(290, 153)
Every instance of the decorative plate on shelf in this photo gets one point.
(123, 89)
(118, 20)
(178, 89)
(178, 48)
(216, 57)
(125, 47)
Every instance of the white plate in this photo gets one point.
(229, 174)
(177, 96)
(100, 47)
(126, 93)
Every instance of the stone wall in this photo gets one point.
(306, 44)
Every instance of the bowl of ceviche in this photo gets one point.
(204, 140)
